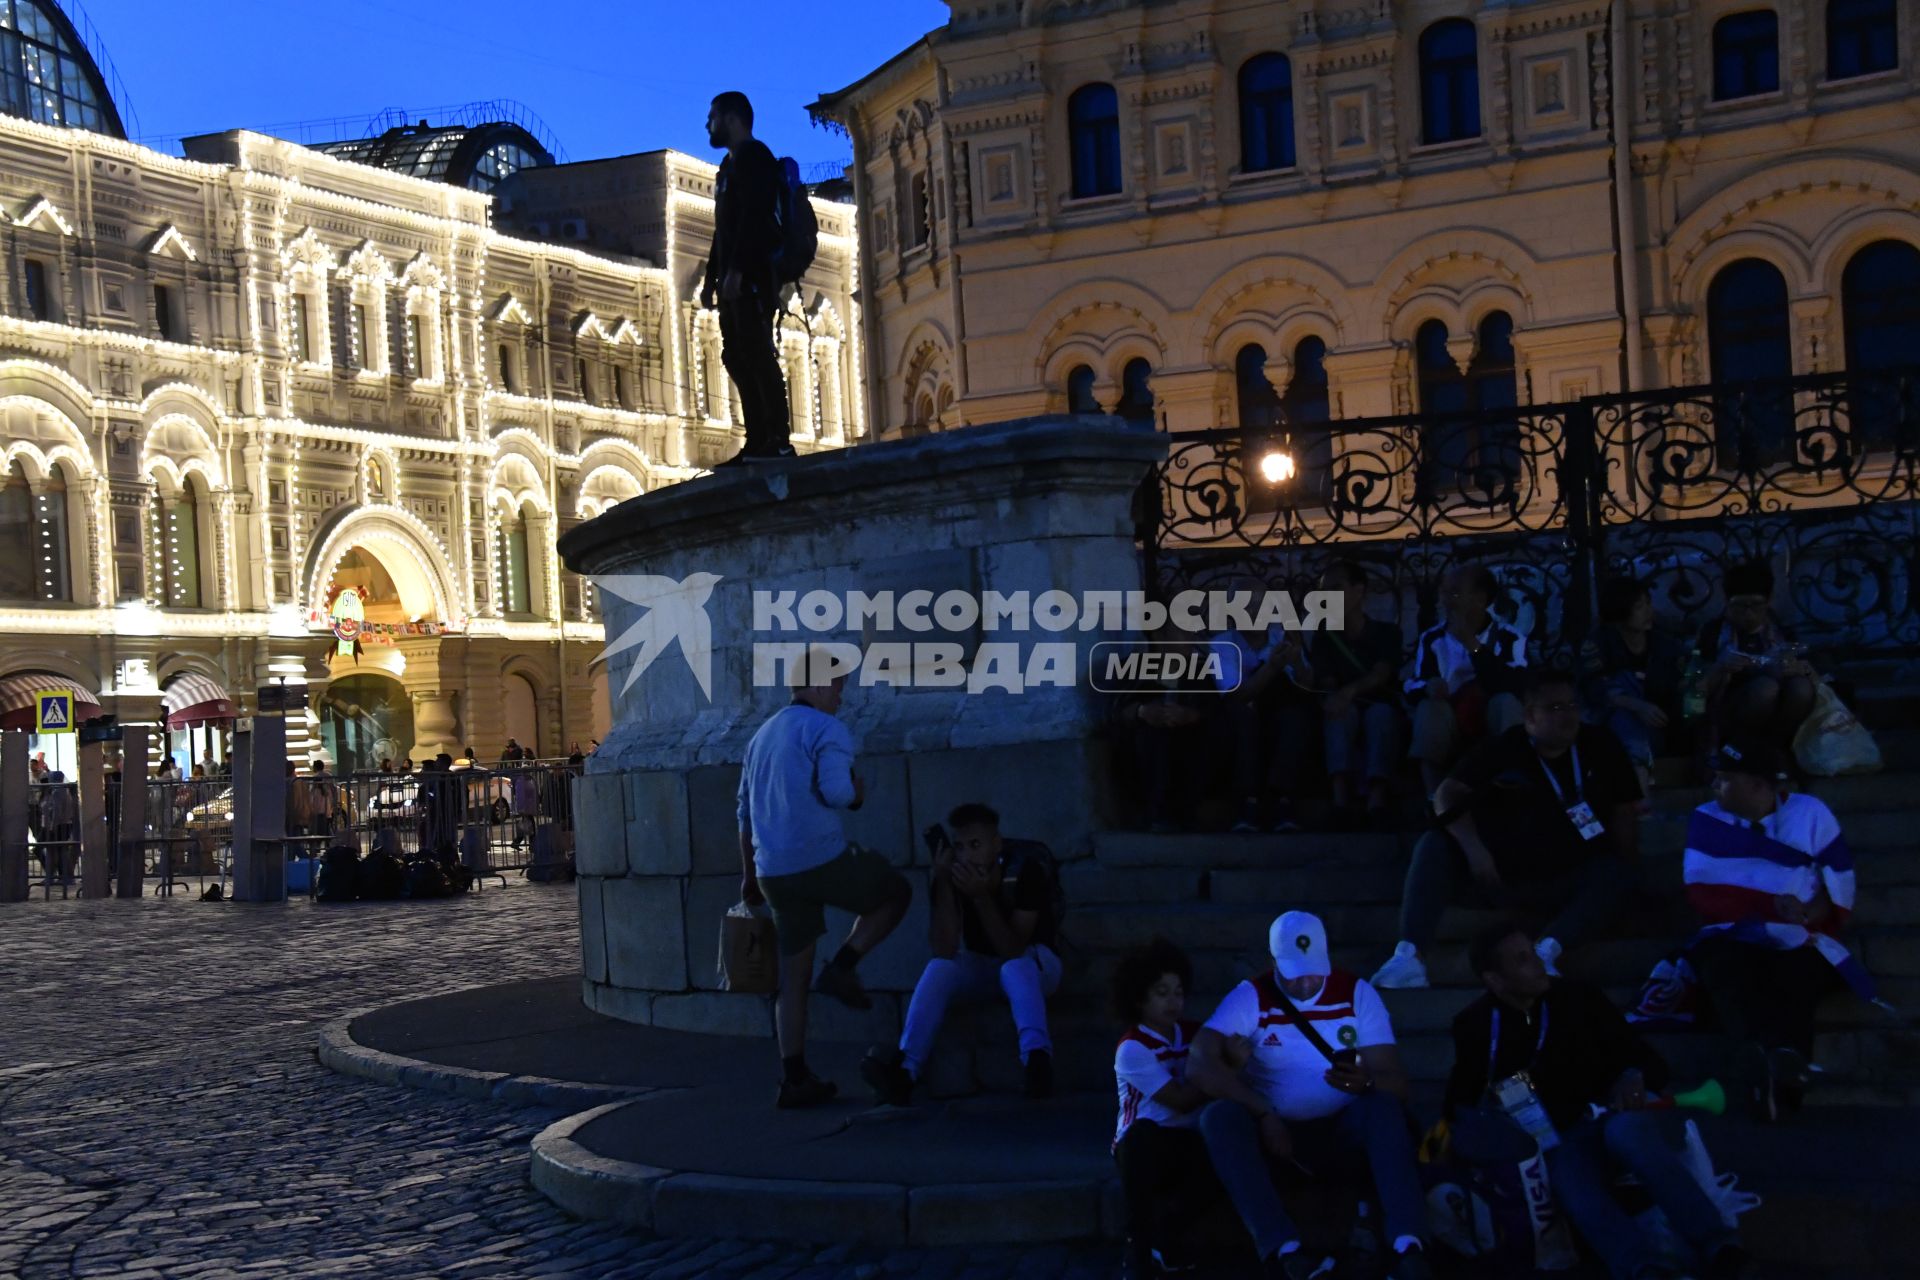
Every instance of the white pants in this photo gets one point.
(1025, 981)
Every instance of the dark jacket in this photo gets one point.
(746, 228)
(1588, 1046)
(1605, 654)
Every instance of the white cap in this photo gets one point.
(1298, 942)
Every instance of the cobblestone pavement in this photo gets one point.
(162, 1114)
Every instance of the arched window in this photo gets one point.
(1749, 339)
(1093, 123)
(1266, 113)
(1307, 409)
(1450, 81)
(1746, 54)
(1880, 310)
(1259, 402)
(1080, 397)
(33, 537)
(516, 583)
(1136, 393)
(179, 549)
(1863, 37)
(1476, 452)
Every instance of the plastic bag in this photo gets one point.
(748, 960)
(1832, 741)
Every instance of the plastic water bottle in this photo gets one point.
(1693, 687)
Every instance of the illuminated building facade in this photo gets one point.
(238, 383)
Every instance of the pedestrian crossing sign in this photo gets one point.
(56, 712)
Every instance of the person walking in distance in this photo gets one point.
(740, 274)
(797, 778)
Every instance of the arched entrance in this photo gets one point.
(521, 712)
(365, 717)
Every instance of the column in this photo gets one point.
(131, 865)
(96, 860)
(434, 725)
(13, 816)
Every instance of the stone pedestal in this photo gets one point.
(1032, 506)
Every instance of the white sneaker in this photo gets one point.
(1404, 972)
(1549, 952)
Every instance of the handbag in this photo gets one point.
(748, 960)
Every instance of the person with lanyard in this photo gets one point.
(1353, 668)
(1543, 819)
(1554, 1059)
(1301, 1103)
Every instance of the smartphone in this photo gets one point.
(936, 838)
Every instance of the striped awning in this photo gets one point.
(20, 699)
(192, 700)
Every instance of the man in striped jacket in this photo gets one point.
(1772, 878)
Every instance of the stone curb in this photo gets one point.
(339, 1051)
(670, 1203)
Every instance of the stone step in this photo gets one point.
(1212, 851)
(1887, 876)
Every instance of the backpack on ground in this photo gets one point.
(339, 875)
(382, 877)
(799, 227)
(556, 872)
(1018, 854)
(426, 878)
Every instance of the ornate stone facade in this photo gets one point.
(238, 382)
(1052, 191)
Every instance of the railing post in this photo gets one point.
(1581, 475)
(130, 880)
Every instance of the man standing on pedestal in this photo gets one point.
(797, 778)
(740, 272)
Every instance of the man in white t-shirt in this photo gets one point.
(1323, 1089)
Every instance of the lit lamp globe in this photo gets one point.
(1276, 467)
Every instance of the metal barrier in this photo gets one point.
(53, 837)
(189, 831)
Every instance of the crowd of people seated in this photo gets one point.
(1340, 714)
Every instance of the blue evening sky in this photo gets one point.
(608, 78)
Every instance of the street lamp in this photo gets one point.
(1276, 466)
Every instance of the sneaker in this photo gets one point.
(1404, 972)
(1040, 1074)
(1411, 1265)
(1173, 1261)
(1548, 949)
(843, 985)
(1284, 821)
(888, 1077)
(1249, 822)
(810, 1092)
(1138, 1263)
(1298, 1265)
(1791, 1075)
(739, 459)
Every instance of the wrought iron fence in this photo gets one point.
(1818, 475)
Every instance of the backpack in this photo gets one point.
(339, 875)
(1018, 854)
(799, 227)
(551, 872)
(426, 879)
(382, 877)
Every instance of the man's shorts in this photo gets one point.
(859, 880)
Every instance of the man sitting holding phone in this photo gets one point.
(1323, 1090)
(992, 926)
